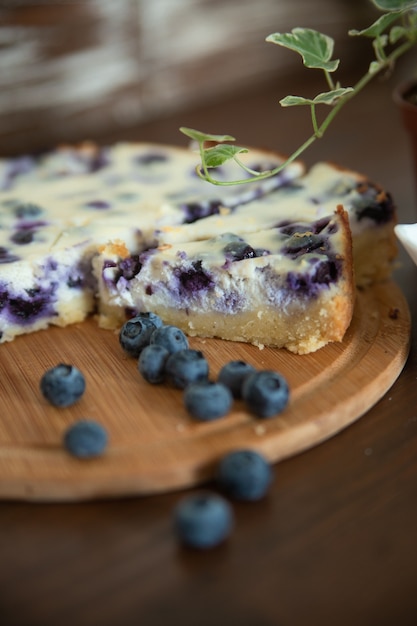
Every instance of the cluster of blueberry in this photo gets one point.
(204, 519)
(164, 355)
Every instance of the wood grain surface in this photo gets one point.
(154, 445)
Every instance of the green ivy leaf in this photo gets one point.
(328, 97)
(201, 137)
(291, 101)
(217, 155)
(315, 48)
(397, 33)
(378, 27)
(394, 5)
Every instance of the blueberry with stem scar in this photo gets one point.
(135, 334)
(203, 520)
(266, 393)
(62, 385)
(244, 475)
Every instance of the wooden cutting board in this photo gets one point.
(154, 445)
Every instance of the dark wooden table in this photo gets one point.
(334, 543)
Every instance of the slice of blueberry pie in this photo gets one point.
(289, 286)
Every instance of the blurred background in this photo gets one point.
(92, 69)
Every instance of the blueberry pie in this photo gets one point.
(131, 227)
(288, 286)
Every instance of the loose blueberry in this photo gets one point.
(151, 363)
(152, 317)
(185, 367)
(244, 475)
(171, 338)
(62, 385)
(203, 520)
(207, 400)
(135, 334)
(85, 439)
(266, 393)
(233, 374)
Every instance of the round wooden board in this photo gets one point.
(154, 445)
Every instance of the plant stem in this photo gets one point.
(319, 130)
(314, 120)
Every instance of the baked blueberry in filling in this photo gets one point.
(232, 302)
(327, 271)
(51, 265)
(195, 211)
(194, 279)
(32, 224)
(26, 209)
(6, 256)
(22, 237)
(26, 231)
(3, 299)
(318, 226)
(98, 204)
(264, 167)
(14, 168)
(374, 204)
(150, 158)
(238, 250)
(99, 160)
(75, 282)
(130, 267)
(302, 243)
(39, 303)
(261, 252)
(299, 283)
(290, 228)
(126, 268)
